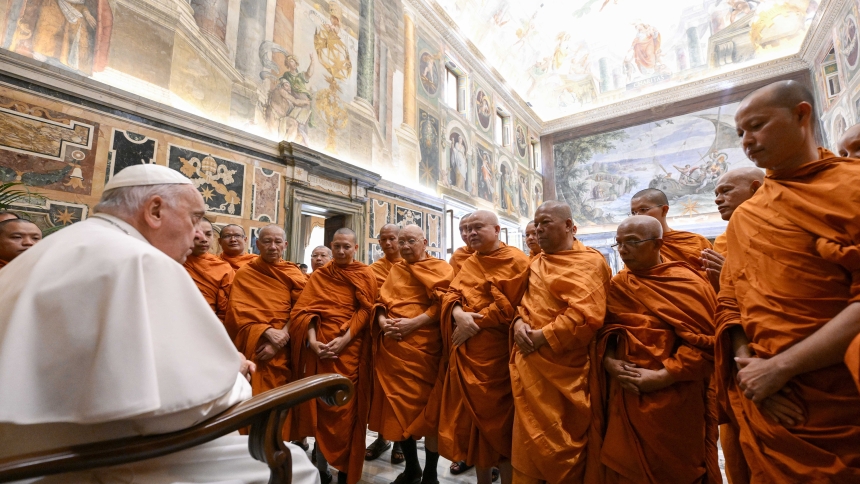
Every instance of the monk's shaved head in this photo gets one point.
(531, 238)
(652, 195)
(6, 215)
(554, 226)
(343, 246)
(233, 227)
(413, 230)
(849, 144)
(639, 241)
(202, 237)
(271, 242)
(389, 228)
(559, 209)
(736, 187)
(16, 236)
(777, 126)
(347, 232)
(232, 240)
(320, 256)
(323, 249)
(388, 242)
(464, 234)
(483, 231)
(413, 244)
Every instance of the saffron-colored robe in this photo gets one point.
(662, 317)
(459, 257)
(337, 299)
(794, 264)
(381, 268)
(239, 261)
(477, 409)
(566, 298)
(407, 382)
(262, 296)
(533, 254)
(852, 360)
(213, 277)
(685, 247)
(737, 470)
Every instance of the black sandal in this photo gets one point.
(495, 474)
(459, 467)
(376, 449)
(397, 456)
(401, 479)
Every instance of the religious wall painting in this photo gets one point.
(483, 108)
(380, 215)
(521, 142)
(47, 149)
(683, 156)
(537, 194)
(525, 203)
(374, 252)
(486, 172)
(428, 141)
(459, 175)
(252, 240)
(72, 34)
(404, 216)
(566, 57)
(838, 127)
(288, 109)
(266, 195)
(219, 181)
(434, 230)
(507, 187)
(128, 148)
(429, 73)
(211, 17)
(849, 46)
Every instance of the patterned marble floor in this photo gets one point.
(381, 471)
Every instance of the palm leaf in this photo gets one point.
(10, 193)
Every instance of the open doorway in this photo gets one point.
(318, 225)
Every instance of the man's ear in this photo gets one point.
(153, 211)
(664, 210)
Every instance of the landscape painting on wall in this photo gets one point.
(683, 156)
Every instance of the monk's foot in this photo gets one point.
(403, 478)
(376, 449)
(459, 467)
(397, 456)
(495, 474)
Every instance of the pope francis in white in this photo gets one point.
(103, 335)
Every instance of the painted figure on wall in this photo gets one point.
(522, 146)
(645, 49)
(457, 169)
(73, 33)
(429, 73)
(850, 45)
(524, 196)
(485, 173)
(483, 109)
(506, 188)
(288, 108)
(538, 194)
(428, 132)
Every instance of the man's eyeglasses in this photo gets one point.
(232, 236)
(644, 210)
(634, 243)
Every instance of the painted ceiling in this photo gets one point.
(567, 56)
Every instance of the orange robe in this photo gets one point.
(239, 261)
(337, 299)
(794, 264)
(213, 277)
(533, 254)
(566, 298)
(685, 247)
(737, 471)
(407, 383)
(459, 257)
(381, 268)
(477, 408)
(852, 360)
(662, 317)
(262, 296)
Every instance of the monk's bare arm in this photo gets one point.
(689, 363)
(761, 377)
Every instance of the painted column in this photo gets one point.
(232, 27)
(252, 32)
(409, 72)
(365, 51)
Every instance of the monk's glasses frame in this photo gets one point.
(633, 243)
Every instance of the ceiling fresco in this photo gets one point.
(567, 56)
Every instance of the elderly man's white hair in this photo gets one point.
(323, 248)
(127, 201)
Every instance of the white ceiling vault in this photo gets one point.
(569, 62)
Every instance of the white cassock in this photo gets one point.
(103, 336)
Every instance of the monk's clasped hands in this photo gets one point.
(466, 326)
(764, 381)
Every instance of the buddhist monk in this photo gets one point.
(391, 249)
(852, 360)
(303, 268)
(6, 215)
(212, 275)
(320, 256)
(532, 240)
(477, 409)
(655, 354)
(682, 246)
(16, 236)
(678, 245)
(330, 331)
(258, 316)
(460, 255)
(560, 313)
(408, 348)
(233, 240)
(849, 144)
(788, 287)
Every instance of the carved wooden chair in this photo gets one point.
(264, 413)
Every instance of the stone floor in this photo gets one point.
(381, 471)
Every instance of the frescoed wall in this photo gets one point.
(683, 156)
(558, 56)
